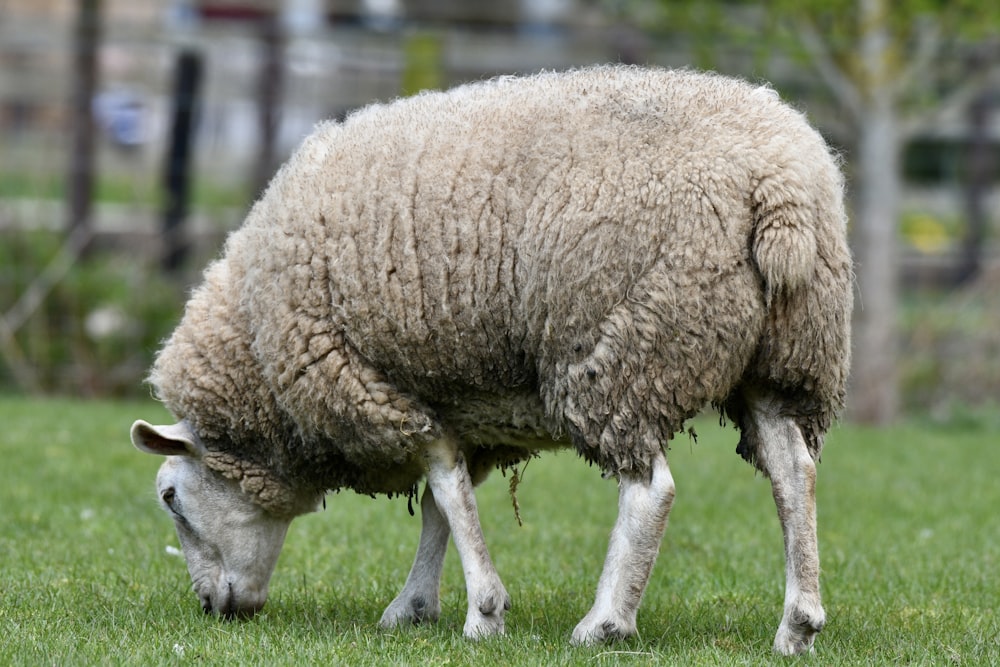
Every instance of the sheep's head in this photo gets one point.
(230, 541)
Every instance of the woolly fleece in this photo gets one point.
(595, 254)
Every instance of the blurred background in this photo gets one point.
(134, 134)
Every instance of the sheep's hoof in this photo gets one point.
(589, 632)
(486, 618)
(798, 631)
(406, 610)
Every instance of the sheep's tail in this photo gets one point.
(784, 238)
(799, 244)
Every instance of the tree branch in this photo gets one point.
(928, 49)
(844, 90)
(960, 97)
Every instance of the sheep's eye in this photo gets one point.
(168, 496)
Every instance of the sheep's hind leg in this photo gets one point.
(783, 455)
(643, 508)
(420, 600)
(449, 481)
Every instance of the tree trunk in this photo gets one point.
(875, 392)
(270, 90)
(80, 181)
(177, 175)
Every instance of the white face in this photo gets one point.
(230, 543)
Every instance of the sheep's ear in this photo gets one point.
(171, 440)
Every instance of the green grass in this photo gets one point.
(909, 536)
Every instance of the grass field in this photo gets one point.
(909, 537)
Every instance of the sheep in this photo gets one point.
(453, 282)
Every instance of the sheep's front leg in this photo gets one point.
(449, 481)
(643, 508)
(784, 456)
(420, 598)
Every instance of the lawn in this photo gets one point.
(909, 537)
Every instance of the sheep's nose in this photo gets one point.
(243, 611)
(231, 606)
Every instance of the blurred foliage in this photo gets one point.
(929, 234)
(829, 36)
(950, 360)
(424, 68)
(121, 188)
(96, 331)
(838, 21)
